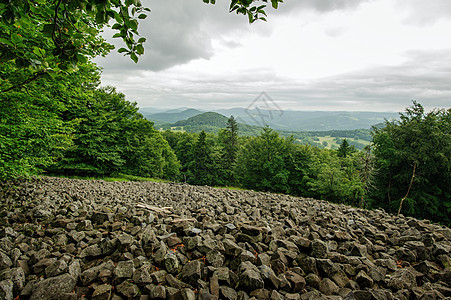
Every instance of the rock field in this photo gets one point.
(78, 239)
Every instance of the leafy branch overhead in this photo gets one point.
(250, 8)
(54, 35)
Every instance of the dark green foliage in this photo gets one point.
(228, 139)
(97, 149)
(420, 141)
(111, 137)
(261, 162)
(146, 152)
(32, 136)
(345, 149)
(83, 129)
(202, 169)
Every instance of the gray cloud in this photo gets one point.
(422, 12)
(182, 31)
(176, 34)
(320, 5)
(424, 77)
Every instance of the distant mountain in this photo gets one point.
(210, 122)
(308, 120)
(171, 116)
(208, 118)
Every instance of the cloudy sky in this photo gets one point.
(358, 55)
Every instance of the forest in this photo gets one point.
(56, 119)
(70, 125)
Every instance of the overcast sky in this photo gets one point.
(358, 55)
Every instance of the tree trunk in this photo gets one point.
(408, 190)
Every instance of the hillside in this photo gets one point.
(170, 116)
(77, 239)
(285, 120)
(212, 122)
(289, 120)
(207, 119)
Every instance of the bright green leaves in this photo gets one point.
(127, 26)
(67, 32)
(253, 12)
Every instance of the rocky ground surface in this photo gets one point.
(76, 239)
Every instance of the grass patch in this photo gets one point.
(234, 188)
(116, 177)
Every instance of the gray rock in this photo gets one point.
(215, 258)
(191, 272)
(187, 294)
(57, 268)
(157, 292)
(231, 248)
(328, 287)
(171, 262)
(297, 281)
(363, 280)
(158, 276)
(99, 217)
(228, 293)
(84, 225)
(124, 269)
(142, 275)
(52, 288)
(124, 241)
(41, 265)
(318, 249)
(313, 280)
(6, 289)
(5, 261)
(91, 274)
(102, 292)
(91, 251)
(402, 279)
(250, 279)
(128, 289)
(223, 275)
(269, 277)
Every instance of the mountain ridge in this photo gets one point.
(288, 120)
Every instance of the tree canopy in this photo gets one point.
(413, 163)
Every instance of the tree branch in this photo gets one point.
(408, 190)
(36, 76)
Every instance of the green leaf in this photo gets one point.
(122, 50)
(141, 40)
(16, 38)
(134, 57)
(117, 26)
(38, 51)
(139, 49)
(6, 42)
(81, 58)
(142, 16)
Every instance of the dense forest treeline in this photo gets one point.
(67, 124)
